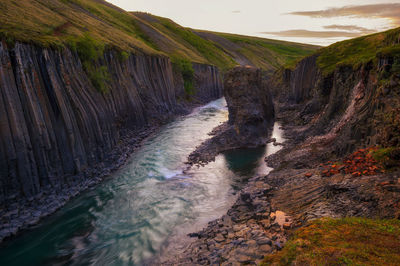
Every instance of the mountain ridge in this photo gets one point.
(64, 23)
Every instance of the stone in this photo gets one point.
(194, 235)
(243, 258)
(278, 245)
(239, 234)
(264, 241)
(287, 226)
(219, 238)
(237, 241)
(265, 249)
(265, 223)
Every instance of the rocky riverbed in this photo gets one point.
(298, 192)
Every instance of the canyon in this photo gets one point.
(77, 106)
(60, 135)
(329, 119)
(74, 107)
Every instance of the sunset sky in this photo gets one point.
(308, 21)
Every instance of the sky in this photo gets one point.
(319, 22)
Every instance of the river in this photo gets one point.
(134, 214)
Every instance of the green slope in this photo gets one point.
(263, 53)
(360, 50)
(96, 23)
(176, 40)
(223, 49)
(60, 22)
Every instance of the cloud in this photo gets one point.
(314, 34)
(389, 11)
(350, 28)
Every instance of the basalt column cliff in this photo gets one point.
(55, 127)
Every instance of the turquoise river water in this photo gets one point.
(148, 205)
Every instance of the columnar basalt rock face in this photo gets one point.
(251, 110)
(344, 108)
(54, 124)
(303, 78)
(207, 81)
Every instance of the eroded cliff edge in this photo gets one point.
(59, 134)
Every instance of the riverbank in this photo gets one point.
(270, 208)
(24, 213)
(130, 216)
(239, 231)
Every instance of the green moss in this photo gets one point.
(347, 241)
(98, 76)
(396, 65)
(10, 41)
(123, 56)
(390, 124)
(185, 67)
(90, 52)
(88, 48)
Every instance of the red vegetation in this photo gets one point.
(357, 164)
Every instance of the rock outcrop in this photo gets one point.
(250, 106)
(345, 108)
(251, 114)
(58, 133)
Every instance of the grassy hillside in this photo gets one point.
(360, 50)
(347, 241)
(178, 41)
(222, 49)
(60, 22)
(96, 25)
(264, 53)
